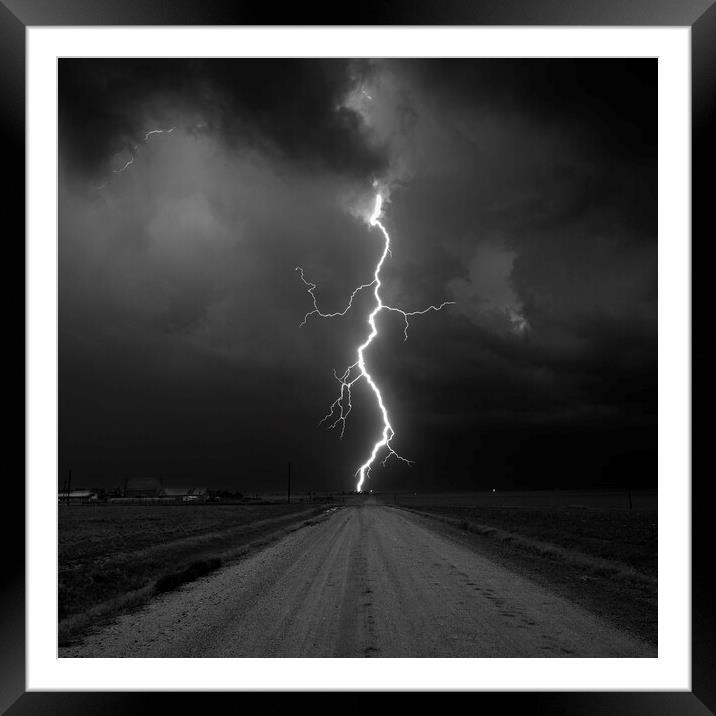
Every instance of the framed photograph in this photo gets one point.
(366, 342)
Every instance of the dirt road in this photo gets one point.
(368, 581)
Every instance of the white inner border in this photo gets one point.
(671, 670)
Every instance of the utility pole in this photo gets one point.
(289, 484)
(629, 493)
(69, 486)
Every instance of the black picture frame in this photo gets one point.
(699, 15)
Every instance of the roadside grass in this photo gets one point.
(603, 559)
(197, 569)
(113, 559)
(624, 537)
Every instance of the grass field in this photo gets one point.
(112, 558)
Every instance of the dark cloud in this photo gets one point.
(291, 108)
(523, 190)
(607, 102)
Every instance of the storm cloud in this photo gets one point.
(291, 109)
(523, 190)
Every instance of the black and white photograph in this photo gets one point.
(357, 357)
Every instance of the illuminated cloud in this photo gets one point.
(486, 296)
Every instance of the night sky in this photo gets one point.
(523, 190)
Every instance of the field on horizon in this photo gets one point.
(609, 498)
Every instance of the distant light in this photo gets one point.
(493, 489)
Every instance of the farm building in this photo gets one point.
(177, 492)
(185, 494)
(201, 493)
(77, 497)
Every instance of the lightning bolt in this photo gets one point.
(157, 131)
(341, 407)
(128, 164)
(132, 156)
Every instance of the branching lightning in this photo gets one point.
(341, 407)
(132, 156)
